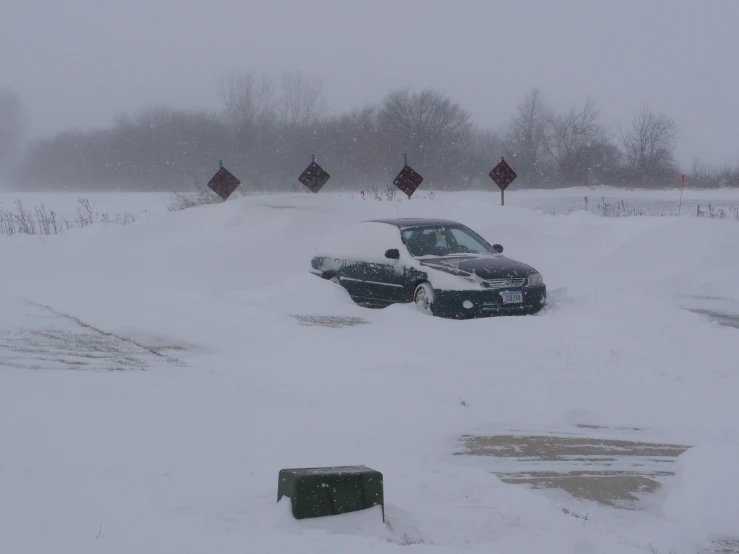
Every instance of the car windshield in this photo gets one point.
(444, 240)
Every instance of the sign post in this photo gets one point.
(408, 179)
(223, 182)
(503, 175)
(314, 176)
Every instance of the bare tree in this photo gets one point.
(484, 152)
(528, 133)
(427, 116)
(12, 128)
(267, 131)
(650, 143)
(354, 144)
(569, 132)
(426, 125)
(248, 98)
(302, 102)
(703, 175)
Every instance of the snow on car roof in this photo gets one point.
(367, 239)
(414, 222)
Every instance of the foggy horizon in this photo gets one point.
(88, 63)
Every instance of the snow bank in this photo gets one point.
(704, 496)
(184, 458)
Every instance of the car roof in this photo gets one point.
(404, 222)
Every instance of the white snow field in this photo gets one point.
(155, 377)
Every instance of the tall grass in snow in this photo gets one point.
(41, 221)
(607, 207)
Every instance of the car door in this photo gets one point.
(389, 280)
(371, 276)
(353, 276)
(375, 281)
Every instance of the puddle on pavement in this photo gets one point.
(331, 321)
(611, 490)
(611, 472)
(551, 448)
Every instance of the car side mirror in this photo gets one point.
(392, 254)
(498, 248)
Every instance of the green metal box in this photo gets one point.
(325, 491)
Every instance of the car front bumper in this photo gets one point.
(487, 303)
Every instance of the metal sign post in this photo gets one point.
(503, 175)
(314, 176)
(408, 179)
(223, 183)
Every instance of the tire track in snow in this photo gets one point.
(45, 339)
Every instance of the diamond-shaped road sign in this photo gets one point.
(408, 180)
(503, 175)
(223, 183)
(314, 177)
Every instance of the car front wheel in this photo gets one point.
(423, 297)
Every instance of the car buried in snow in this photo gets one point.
(442, 266)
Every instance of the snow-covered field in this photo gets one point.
(155, 377)
(554, 202)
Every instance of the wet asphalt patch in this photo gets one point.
(612, 472)
(330, 321)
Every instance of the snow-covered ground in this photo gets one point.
(555, 201)
(155, 377)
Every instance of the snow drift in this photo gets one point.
(183, 455)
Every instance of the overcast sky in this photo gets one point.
(79, 62)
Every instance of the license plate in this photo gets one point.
(512, 297)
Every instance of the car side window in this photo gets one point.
(468, 241)
(421, 242)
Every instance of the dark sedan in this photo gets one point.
(442, 266)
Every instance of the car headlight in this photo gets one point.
(317, 262)
(535, 279)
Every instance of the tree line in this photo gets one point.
(267, 128)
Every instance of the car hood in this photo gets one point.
(485, 267)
